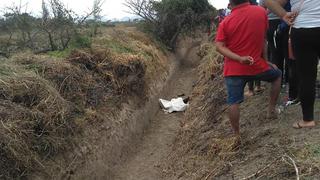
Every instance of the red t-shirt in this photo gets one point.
(243, 32)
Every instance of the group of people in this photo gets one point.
(222, 13)
(276, 42)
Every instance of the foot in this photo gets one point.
(249, 93)
(304, 124)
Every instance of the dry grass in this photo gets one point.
(35, 121)
(45, 102)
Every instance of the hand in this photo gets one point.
(289, 17)
(246, 60)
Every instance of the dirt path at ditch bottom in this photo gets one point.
(156, 142)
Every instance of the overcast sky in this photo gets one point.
(111, 8)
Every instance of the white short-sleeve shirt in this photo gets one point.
(309, 14)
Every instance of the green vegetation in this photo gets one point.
(60, 54)
(167, 19)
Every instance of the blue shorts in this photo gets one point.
(236, 84)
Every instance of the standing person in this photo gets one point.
(243, 48)
(305, 35)
(220, 16)
(277, 37)
(275, 54)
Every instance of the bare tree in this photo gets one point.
(46, 26)
(59, 25)
(142, 8)
(22, 22)
(97, 9)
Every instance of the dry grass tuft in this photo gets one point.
(34, 120)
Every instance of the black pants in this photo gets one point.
(290, 70)
(293, 79)
(306, 48)
(276, 47)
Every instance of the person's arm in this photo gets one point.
(276, 6)
(221, 48)
(281, 2)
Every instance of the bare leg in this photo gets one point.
(274, 95)
(234, 116)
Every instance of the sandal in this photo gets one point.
(298, 125)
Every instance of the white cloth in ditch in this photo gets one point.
(175, 105)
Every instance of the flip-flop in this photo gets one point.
(297, 125)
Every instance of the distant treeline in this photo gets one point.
(56, 29)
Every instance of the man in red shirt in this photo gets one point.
(241, 39)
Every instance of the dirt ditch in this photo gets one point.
(95, 115)
(155, 144)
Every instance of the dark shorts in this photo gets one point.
(236, 84)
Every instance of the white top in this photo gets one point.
(309, 14)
